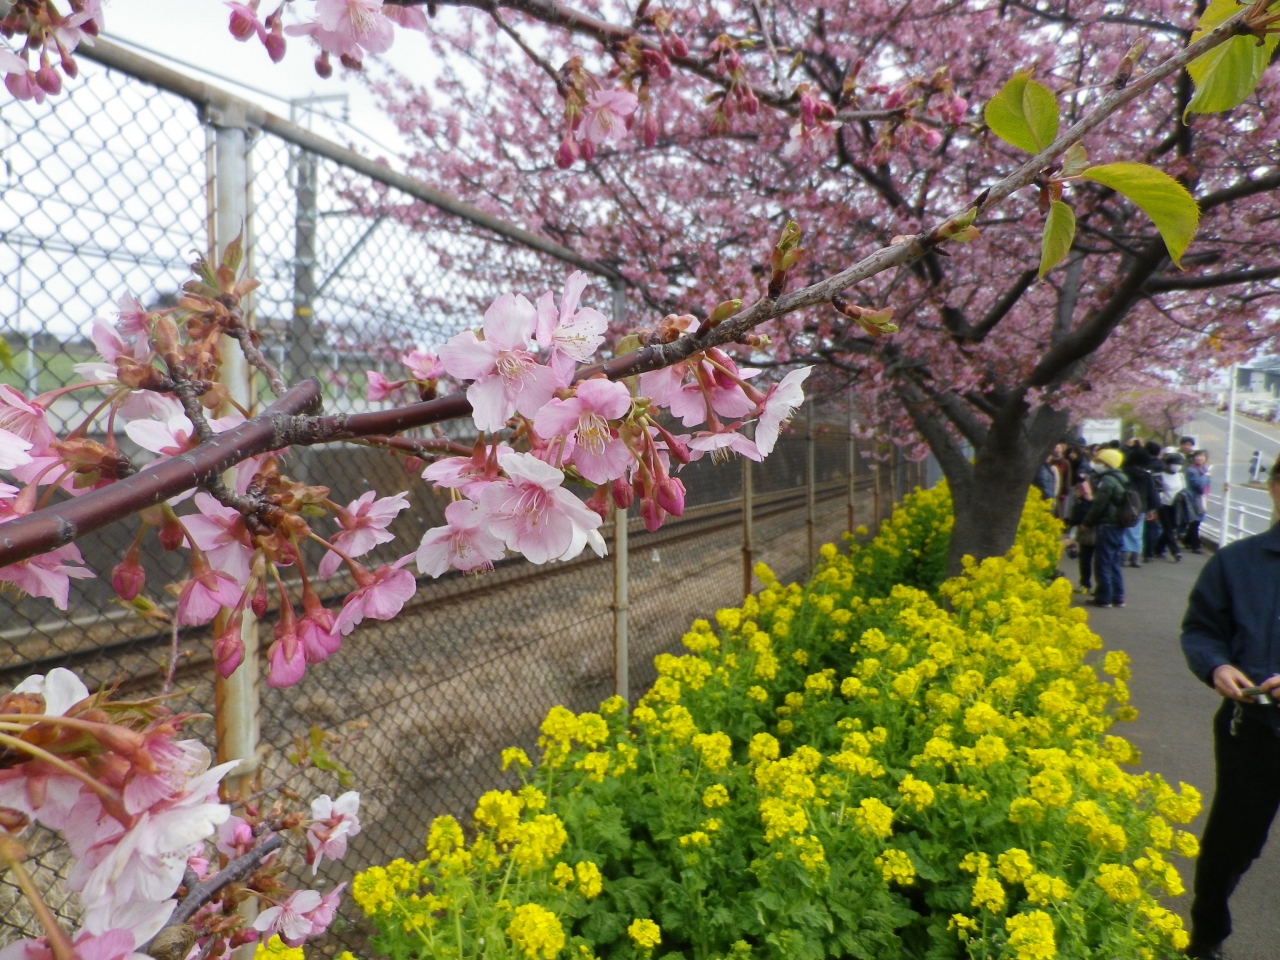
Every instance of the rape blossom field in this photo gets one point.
(879, 763)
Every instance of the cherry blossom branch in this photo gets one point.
(64, 522)
(235, 871)
(256, 358)
(612, 35)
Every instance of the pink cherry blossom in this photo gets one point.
(13, 450)
(725, 440)
(348, 28)
(318, 633)
(286, 658)
(162, 769)
(467, 474)
(60, 688)
(534, 515)
(364, 526)
(411, 18)
(507, 378)
(378, 387)
(781, 400)
(49, 574)
(386, 591)
(464, 543)
(423, 365)
(220, 532)
(605, 119)
(133, 318)
(235, 837)
(10, 62)
(333, 821)
(110, 945)
(581, 423)
(203, 595)
(169, 437)
(26, 418)
(304, 914)
(571, 336)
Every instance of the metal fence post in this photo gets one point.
(853, 462)
(621, 640)
(810, 485)
(748, 525)
(236, 697)
(1231, 452)
(875, 495)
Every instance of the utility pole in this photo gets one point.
(621, 557)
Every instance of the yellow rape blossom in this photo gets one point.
(1031, 936)
(896, 867)
(275, 949)
(716, 795)
(1119, 882)
(536, 931)
(645, 934)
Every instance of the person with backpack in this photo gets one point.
(1137, 467)
(1116, 505)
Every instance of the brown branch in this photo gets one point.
(239, 868)
(1210, 280)
(71, 519)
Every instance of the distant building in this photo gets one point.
(1259, 377)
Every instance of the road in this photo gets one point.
(1210, 428)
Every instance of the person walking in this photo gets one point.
(1151, 530)
(1104, 519)
(1229, 634)
(1198, 484)
(1172, 487)
(1136, 467)
(1086, 540)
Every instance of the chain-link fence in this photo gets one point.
(109, 188)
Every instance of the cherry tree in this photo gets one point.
(691, 146)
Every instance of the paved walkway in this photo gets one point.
(1173, 728)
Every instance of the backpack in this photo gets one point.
(1130, 510)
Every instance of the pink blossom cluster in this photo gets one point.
(347, 29)
(50, 39)
(136, 812)
(522, 369)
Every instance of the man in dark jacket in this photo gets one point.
(1104, 517)
(1231, 639)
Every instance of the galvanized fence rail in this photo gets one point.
(109, 189)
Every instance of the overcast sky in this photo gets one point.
(195, 32)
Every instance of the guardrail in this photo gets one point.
(1241, 520)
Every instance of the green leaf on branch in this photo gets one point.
(1171, 208)
(6, 354)
(1059, 231)
(1024, 114)
(1226, 75)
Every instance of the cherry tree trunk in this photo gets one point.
(988, 499)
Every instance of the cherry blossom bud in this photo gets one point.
(599, 501)
(228, 649)
(351, 63)
(751, 104)
(48, 79)
(932, 138)
(259, 602)
(669, 493)
(956, 109)
(651, 514)
(242, 27)
(128, 578)
(164, 334)
(275, 45)
(69, 65)
(588, 150)
(733, 61)
(679, 48)
(623, 495)
(413, 464)
(567, 153)
(650, 132)
(324, 69)
(171, 534)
